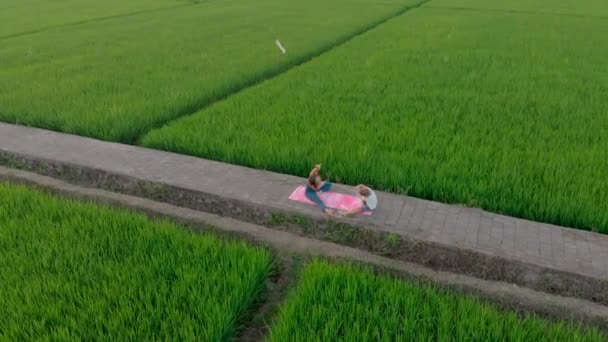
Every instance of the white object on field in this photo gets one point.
(280, 46)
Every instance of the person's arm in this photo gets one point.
(315, 170)
(312, 175)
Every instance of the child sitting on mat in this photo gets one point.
(368, 199)
(316, 184)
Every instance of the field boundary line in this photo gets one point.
(504, 295)
(97, 19)
(278, 287)
(269, 75)
(514, 12)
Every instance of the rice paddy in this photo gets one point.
(117, 79)
(348, 303)
(76, 271)
(25, 16)
(581, 8)
(492, 104)
(496, 110)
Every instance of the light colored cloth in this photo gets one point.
(371, 200)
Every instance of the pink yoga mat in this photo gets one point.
(331, 199)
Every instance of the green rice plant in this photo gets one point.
(26, 16)
(75, 271)
(349, 303)
(503, 111)
(592, 8)
(116, 79)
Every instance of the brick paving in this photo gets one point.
(545, 245)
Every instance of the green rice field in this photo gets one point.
(116, 79)
(25, 16)
(497, 110)
(582, 8)
(494, 104)
(76, 271)
(347, 303)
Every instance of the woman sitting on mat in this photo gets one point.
(316, 184)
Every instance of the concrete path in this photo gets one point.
(547, 246)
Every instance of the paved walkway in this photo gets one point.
(574, 251)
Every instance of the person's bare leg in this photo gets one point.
(353, 212)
